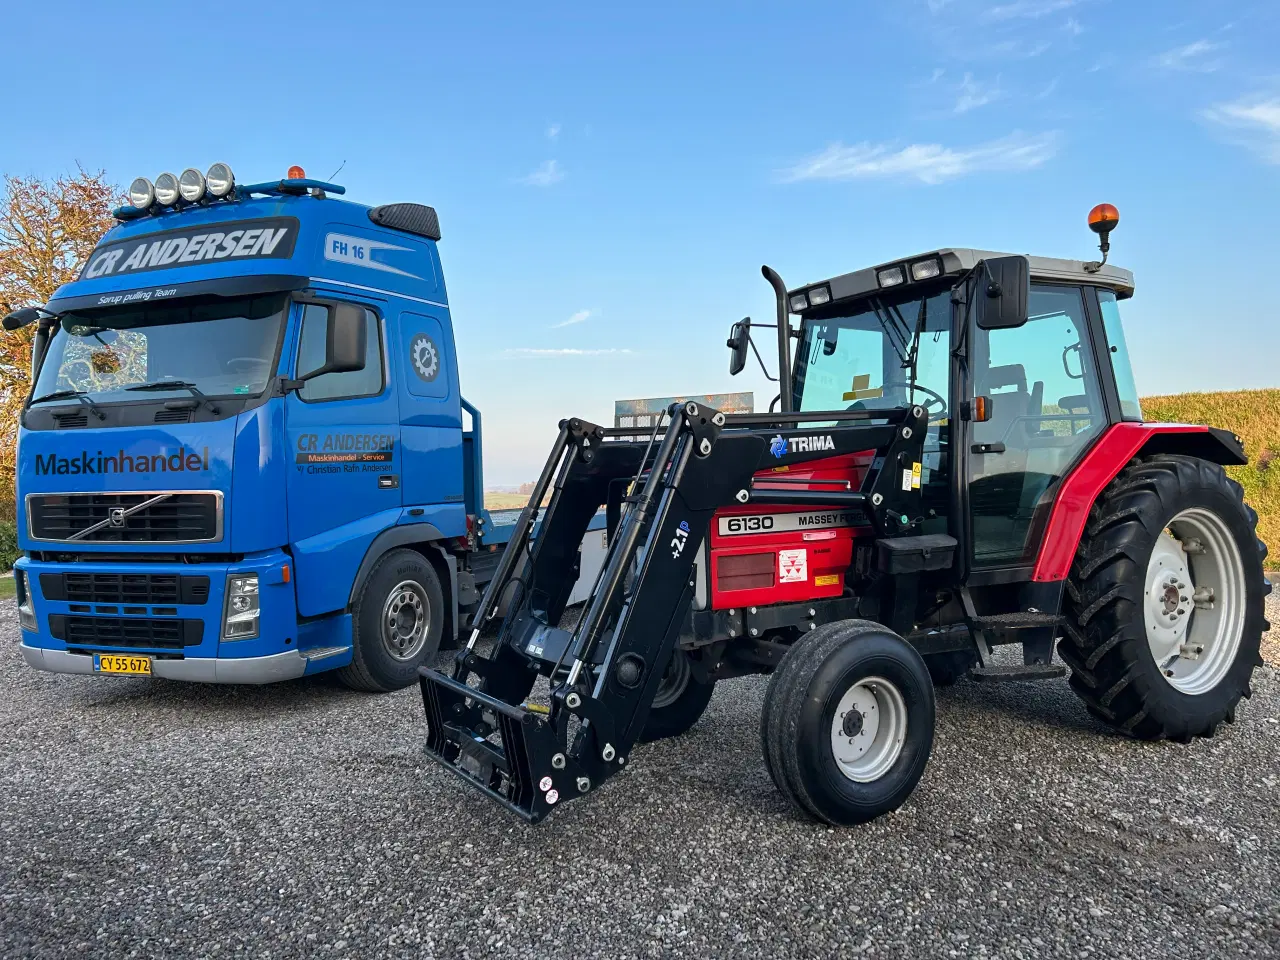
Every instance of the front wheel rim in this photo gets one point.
(869, 729)
(674, 680)
(1193, 601)
(406, 621)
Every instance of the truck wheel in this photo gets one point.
(679, 702)
(1165, 601)
(946, 668)
(396, 623)
(848, 724)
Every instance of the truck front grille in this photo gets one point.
(149, 517)
(125, 588)
(126, 631)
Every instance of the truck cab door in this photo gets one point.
(344, 482)
(1047, 409)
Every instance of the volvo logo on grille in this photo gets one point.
(117, 516)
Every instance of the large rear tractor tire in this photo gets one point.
(679, 702)
(1165, 601)
(396, 624)
(847, 726)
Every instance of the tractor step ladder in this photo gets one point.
(1037, 646)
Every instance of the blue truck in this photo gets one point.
(245, 456)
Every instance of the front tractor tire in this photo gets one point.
(1164, 602)
(680, 701)
(847, 725)
(396, 623)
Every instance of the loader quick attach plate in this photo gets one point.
(604, 673)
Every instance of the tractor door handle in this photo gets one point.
(987, 448)
(388, 481)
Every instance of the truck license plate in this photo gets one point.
(112, 663)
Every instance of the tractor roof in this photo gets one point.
(958, 260)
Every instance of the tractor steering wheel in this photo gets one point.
(935, 404)
(244, 365)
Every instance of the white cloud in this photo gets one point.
(544, 353)
(553, 131)
(1028, 9)
(974, 94)
(545, 175)
(1194, 57)
(578, 317)
(927, 162)
(1255, 123)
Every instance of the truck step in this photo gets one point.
(1019, 671)
(1019, 620)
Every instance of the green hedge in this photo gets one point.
(8, 544)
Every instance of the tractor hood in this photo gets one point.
(154, 489)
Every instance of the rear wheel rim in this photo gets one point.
(406, 621)
(869, 729)
(1193, 602)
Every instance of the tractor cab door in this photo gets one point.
(1047, 408)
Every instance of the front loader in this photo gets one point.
(958, 462)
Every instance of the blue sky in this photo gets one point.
(610, 178)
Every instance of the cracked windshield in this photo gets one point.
(222, 348)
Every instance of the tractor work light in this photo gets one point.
(1103, 218)
(220, 180)
(799, 302)
(191, 185)
(141, 193)
(890, 277)
(818, 296)
(925, 269)
(167, 190)
(240, 619)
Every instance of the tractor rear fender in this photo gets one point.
(1120, 444)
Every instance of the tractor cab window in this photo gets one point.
(1046, 408)
(1130, 406)
(863, 357)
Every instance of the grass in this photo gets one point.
(8, 589)
(1254, 416)
(505, 501)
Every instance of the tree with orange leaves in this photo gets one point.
(48, 228)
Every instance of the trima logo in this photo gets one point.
(181, 460)
(810, 444)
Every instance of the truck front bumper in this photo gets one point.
(268, 669)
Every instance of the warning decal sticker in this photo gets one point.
(793, 566)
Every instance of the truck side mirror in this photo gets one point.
(346, 339)
(1002, 292)
(738, 342)
(21, 317)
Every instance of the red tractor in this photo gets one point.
(958, 461)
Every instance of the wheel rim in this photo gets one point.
(406, 621)
(869, 729)
(674, 680)
(1193, 603)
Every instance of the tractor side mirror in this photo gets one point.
(1002, 292)
(738, 342)
(346, 339)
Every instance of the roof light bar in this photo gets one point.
(799, 302)
(141, 193)
(926, 269)
(191, 185)
(819, 295)
(167, 190)
(890, 277)
(220, 180)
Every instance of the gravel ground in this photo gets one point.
(147, 818)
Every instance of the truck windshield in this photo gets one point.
(223, 347)
(862, 358)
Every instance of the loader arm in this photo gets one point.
(604, 673)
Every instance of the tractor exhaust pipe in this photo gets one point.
(784, 337)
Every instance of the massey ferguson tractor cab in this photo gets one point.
(957, 461)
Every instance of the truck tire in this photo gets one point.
(679, 702)
(396, 623)
(946, 668)
(1164, 602)
(848, 722)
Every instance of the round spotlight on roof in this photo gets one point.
(167, 190)
(297, 173)
(220, 180)
(141, 193)
(191, 185)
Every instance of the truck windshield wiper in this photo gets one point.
(175, 385)
(80, 395)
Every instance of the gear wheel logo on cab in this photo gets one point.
(425, 356)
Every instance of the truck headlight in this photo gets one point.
(240, 616)
(26, 610)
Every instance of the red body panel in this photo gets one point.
(802, 564)
(1081, 487)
